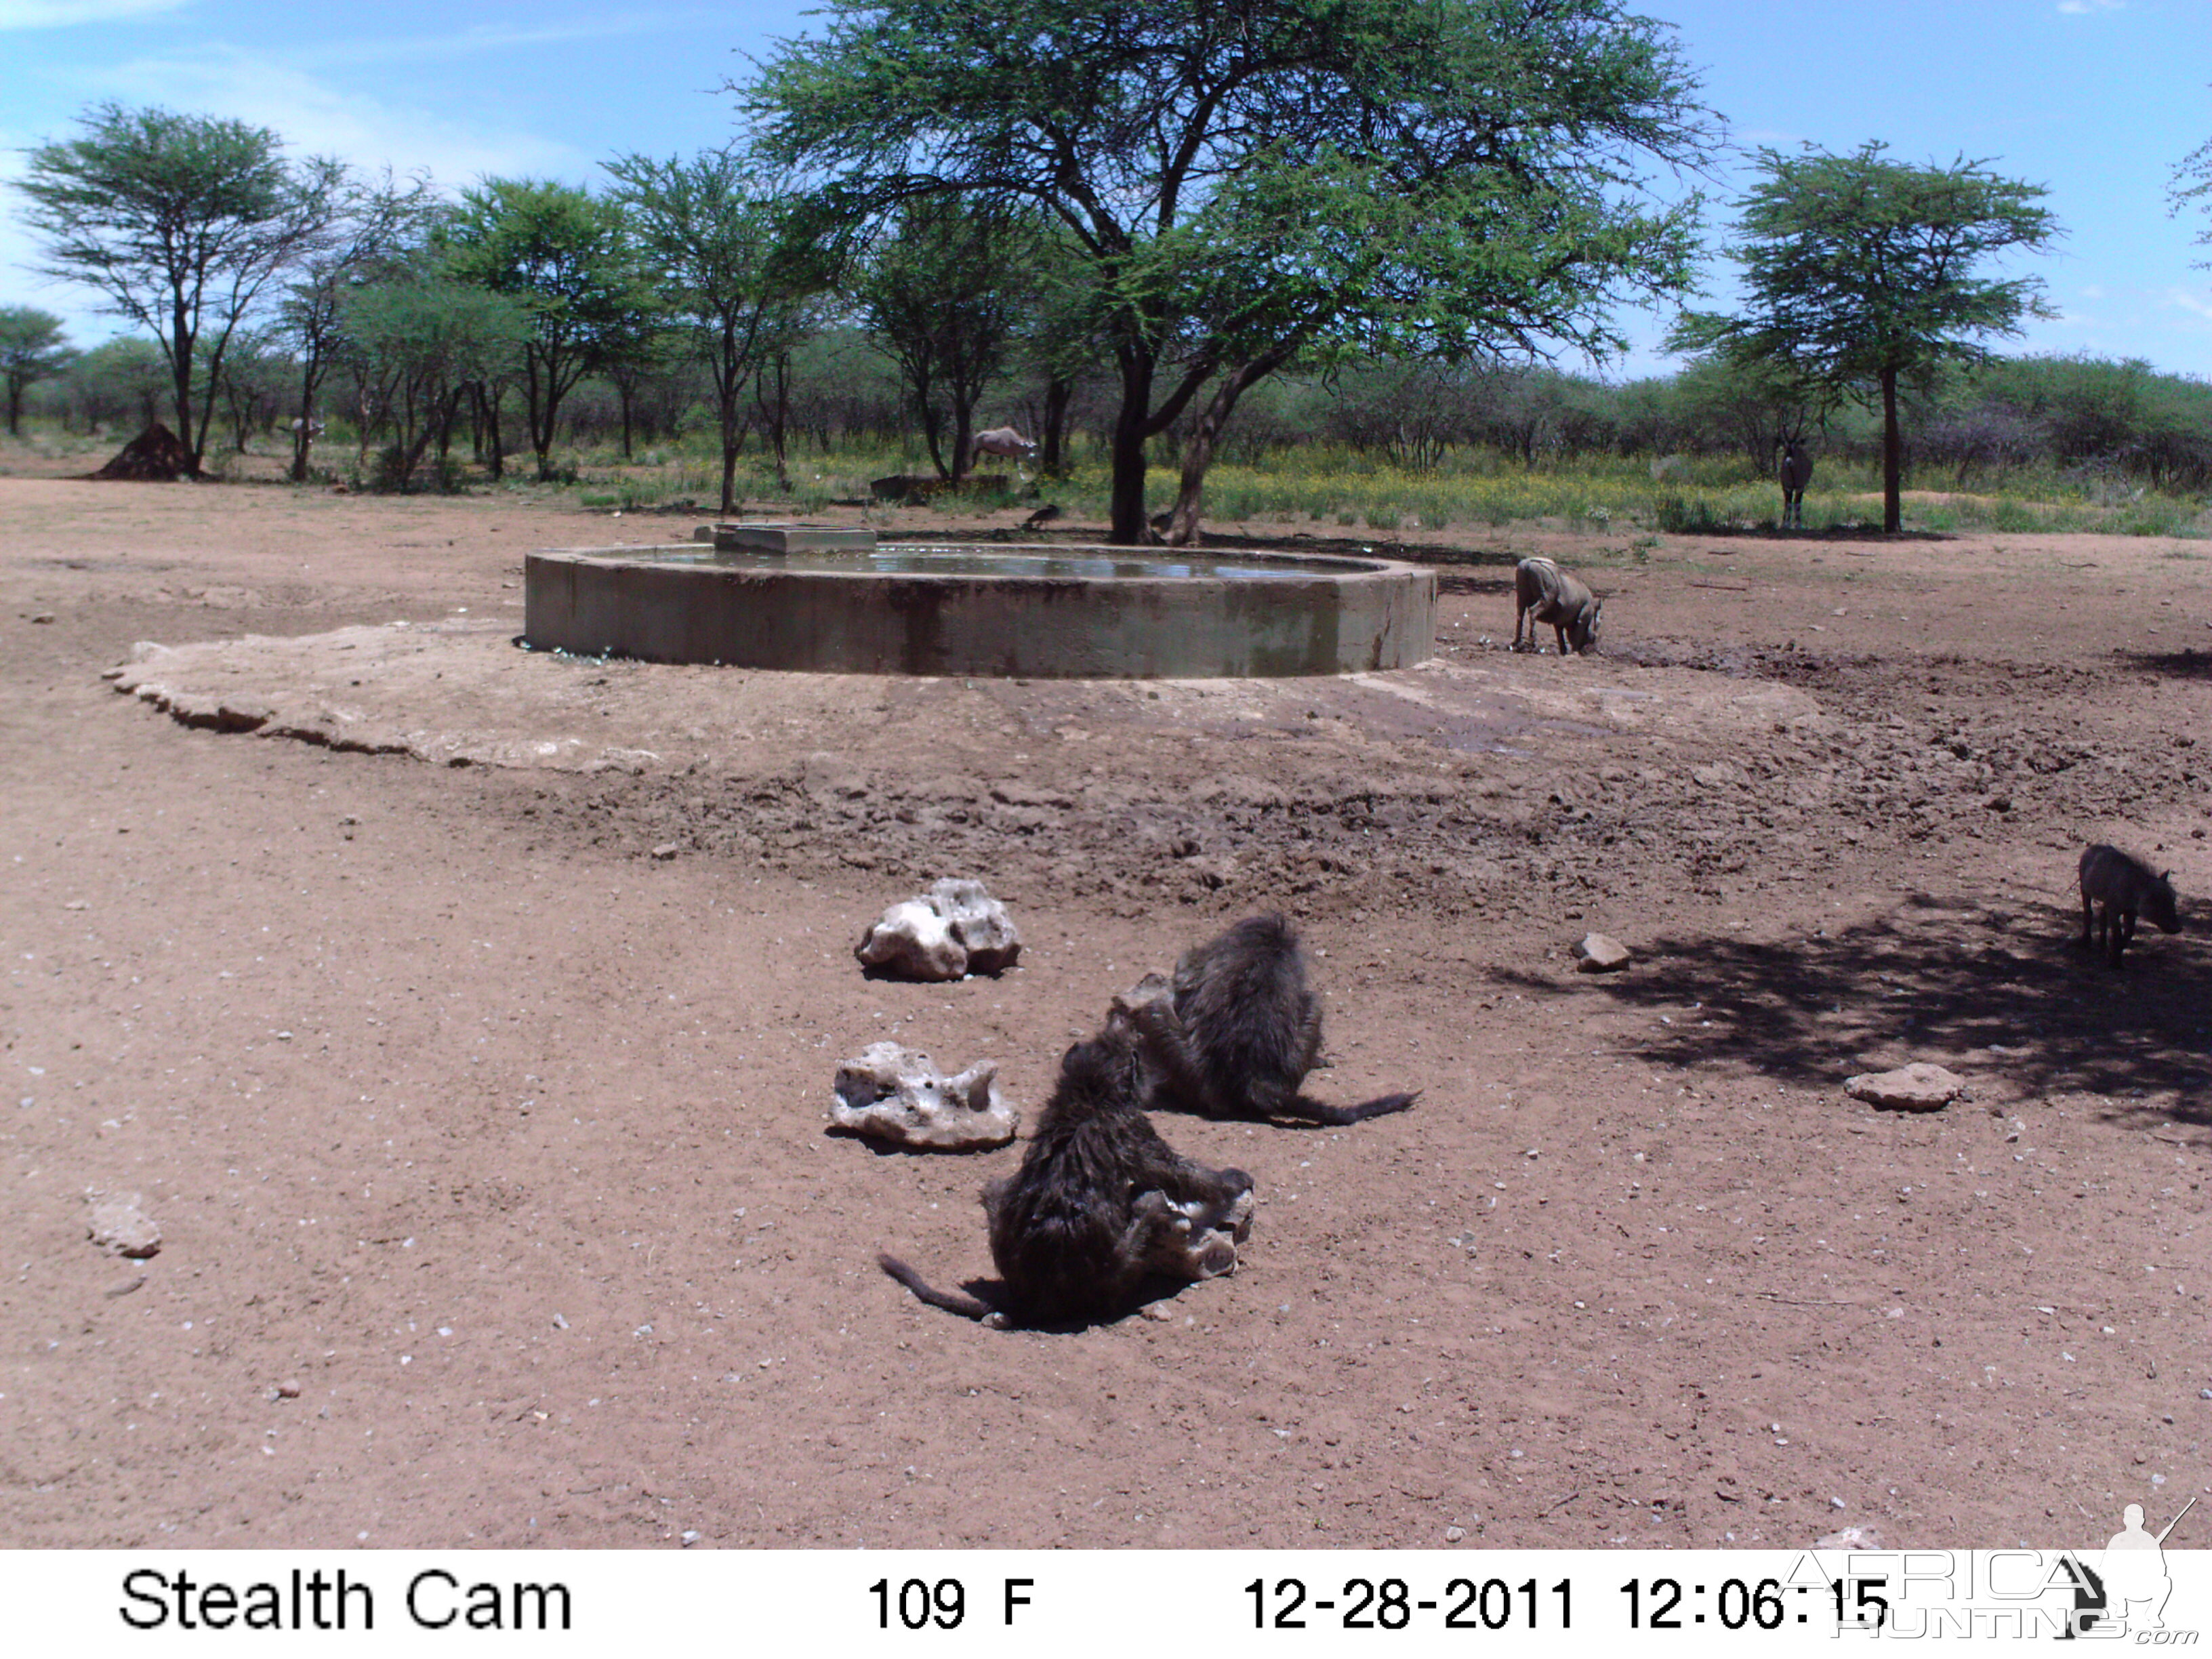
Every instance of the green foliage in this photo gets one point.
(31, 349)
(1862, 273)
(943, 292)
(736, 258)
(417, 346)
(1246, 185)
(181, 222)
(568, 259)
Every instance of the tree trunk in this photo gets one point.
(487, 403)
(1205, 438)
(1059, 393)
(1892, 502)
(1126, 523)
(1197, 456)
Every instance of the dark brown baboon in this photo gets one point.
(2116, 889)
(1099, 1203)
(1238, 1028)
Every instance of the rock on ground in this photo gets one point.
(119, 1227)
(1919, 1087)
(895, 1093)
(1596, 953)
(955, 929)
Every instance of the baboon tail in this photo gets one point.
(966, 1306)
(1319, 1111)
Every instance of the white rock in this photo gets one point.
(894, 1093)
(1850, 1538)
(1596, 953)
(912, 941)
(954, 929)
(979, 922)
(1919, 1087)
(119, 1227)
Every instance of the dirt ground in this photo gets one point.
(465, 1019)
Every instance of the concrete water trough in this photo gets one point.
(826, 602)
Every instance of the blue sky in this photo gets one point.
(2097, 100)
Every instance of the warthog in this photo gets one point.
(2116, 889)
(1542, 592)
(1236, 1030)
(1793, 471)
(1100, 1202)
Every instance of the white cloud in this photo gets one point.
(2182, 299)
(2088, 8)
(66, 14)
(315, 117)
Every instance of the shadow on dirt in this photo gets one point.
(2010, 989)
(2187, 664)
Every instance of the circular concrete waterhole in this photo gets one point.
(1028, 610)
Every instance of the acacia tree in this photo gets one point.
(736, 258)
(1862, 273)
(944, 294)
(31, 349)
(1256, 182)
(417, 345)
(567, 258)
(182, 221)
(376, 227)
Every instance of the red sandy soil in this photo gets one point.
(501, 1139)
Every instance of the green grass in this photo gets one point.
(1332, 488)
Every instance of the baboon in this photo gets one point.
(1100, 1202)
(1236, 1030)
(1542, 592)
(2124, 888)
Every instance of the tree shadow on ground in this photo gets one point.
(2183, 664)
(2006, 990)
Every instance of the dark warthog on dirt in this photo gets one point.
(1100, 1203)
(2116, 889)
(1542, 592)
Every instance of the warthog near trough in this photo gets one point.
(1542, 592)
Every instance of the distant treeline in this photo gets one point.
(2046, 415)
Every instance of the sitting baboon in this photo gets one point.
(1100, 1202)
(1236, 1030)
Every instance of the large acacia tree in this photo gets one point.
(182, 221)
(1253, 183)
(1862, 273)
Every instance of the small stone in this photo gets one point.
(896, 1094)
(560, 1323)
(667, 849)
(1453, 1534)
(1919, 1087)
(119, 1227)
(1595, 953)
(287, 1389)
(1850, 1538)
(44, 616)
